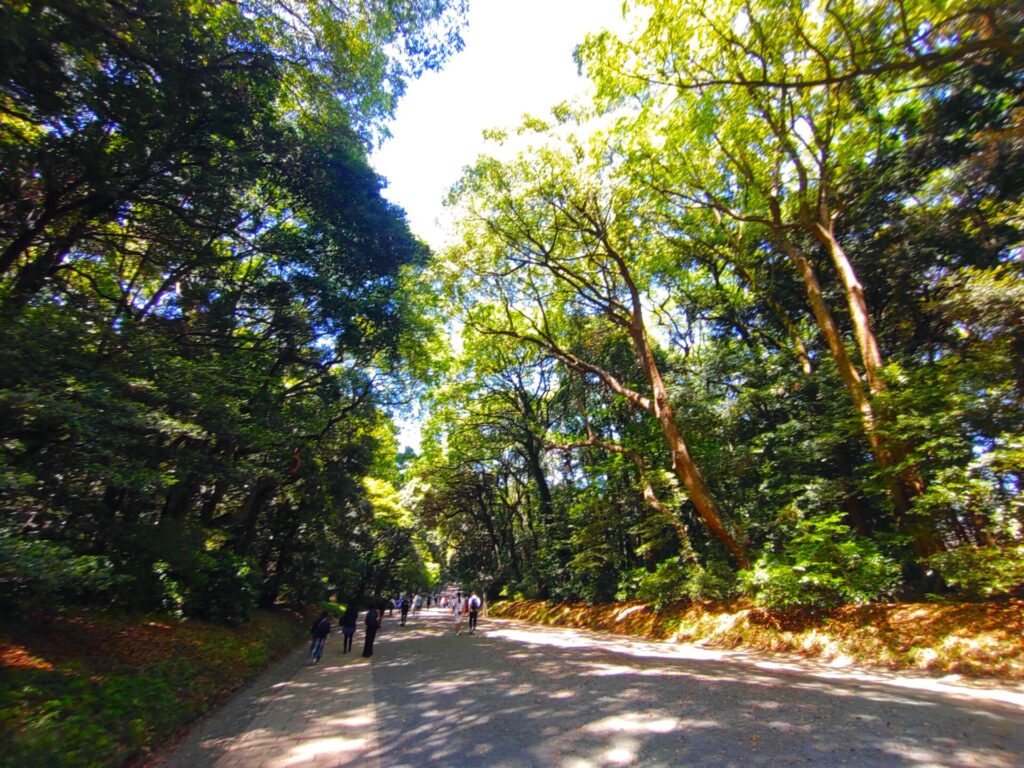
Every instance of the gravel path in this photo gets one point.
(516, 695)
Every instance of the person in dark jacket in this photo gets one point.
(372, 625)
(320, 630)
(405, 609)
(348, 627)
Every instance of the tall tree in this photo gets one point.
(553, 252)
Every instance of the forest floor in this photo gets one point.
(98, 688)
(970, 639)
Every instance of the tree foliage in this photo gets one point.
(764, 290)
(200, 292)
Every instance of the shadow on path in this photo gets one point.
(517, 695)
(523, 695)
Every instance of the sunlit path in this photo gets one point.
(516, 695)
(298, 716)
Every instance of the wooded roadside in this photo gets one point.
(972, 639)
(101, 688)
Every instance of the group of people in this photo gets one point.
(465, 608)
(322, 628)
(405, 602)
(462, 609)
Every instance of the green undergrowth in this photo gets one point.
(971, 639)
(100, 688)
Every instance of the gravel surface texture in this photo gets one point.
(516, 695)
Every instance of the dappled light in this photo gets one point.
(589, 699)
(966, 638)
(716, 375)
(517, 695)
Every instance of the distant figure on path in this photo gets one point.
(404, 606)
(474, 609)
(372, 625)
(458, 608)
(348, 627)
(320, 630)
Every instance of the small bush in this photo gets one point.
(676, 579)
(822, 566)
(40, 572)
(981, 572)
(216, 586)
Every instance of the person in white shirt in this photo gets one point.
(458, 607)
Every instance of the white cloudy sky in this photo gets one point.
(517, 60)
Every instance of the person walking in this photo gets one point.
(348, 627)
(458, 608)
(474, 609)
(320, 630)
(372, 622)
(404, 607)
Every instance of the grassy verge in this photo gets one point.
(976, 640)
(99, 688)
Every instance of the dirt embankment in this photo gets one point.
(978, 640)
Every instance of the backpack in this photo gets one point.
(474, 603)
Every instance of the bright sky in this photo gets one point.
(517, 60)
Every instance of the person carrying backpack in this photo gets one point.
(474, 609)
(320, 630)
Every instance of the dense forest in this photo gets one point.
(749, 321)
(203, 320)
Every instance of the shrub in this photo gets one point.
(127, 682)
(822, 566)
(677, 579)
(36, 571)
(981, 572)
(217, 586)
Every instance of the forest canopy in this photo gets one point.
(200, 296)
(749, 321)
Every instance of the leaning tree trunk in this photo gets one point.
(870, 352)
(682, 462)
(923, 543)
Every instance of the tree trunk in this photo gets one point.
(682, 462)
(870, 353)
(847, 371)
(250, 512)
(211, 501)
(910, 480)
(851, 500)
(897, 484)
(179, 497)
